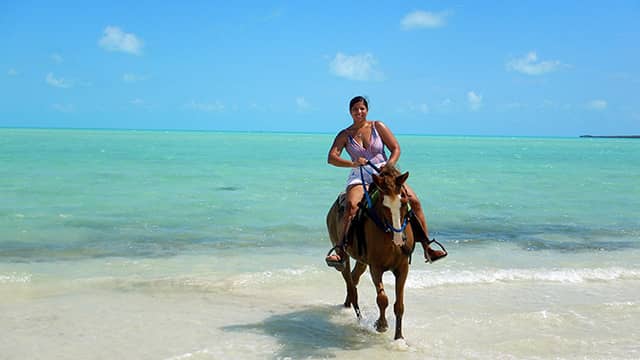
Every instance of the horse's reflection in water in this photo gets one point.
(379, 238)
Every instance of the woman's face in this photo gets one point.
(359, 111)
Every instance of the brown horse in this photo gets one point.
(380, 238)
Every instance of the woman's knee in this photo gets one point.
(351, 208)
(354, 195)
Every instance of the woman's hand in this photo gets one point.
(360, 162)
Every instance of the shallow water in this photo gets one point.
(197, 245)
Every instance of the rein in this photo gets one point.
(369, 209)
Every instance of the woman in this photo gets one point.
(365, 141)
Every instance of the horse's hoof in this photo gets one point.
(380, 327)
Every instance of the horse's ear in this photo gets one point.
(402, 178)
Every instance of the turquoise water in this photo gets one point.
(82, 193)
(232, 224)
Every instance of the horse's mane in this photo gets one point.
(390, 170)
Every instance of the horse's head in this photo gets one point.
(389, 184)
(390, 181)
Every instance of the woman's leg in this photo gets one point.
(353, 197)
(416, 206)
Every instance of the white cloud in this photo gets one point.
(57, 58)
(65, 108)
(423, 108)
(12, 72)
(475, 100)
(416, 108)
(57, 82)
(530, 65)
(445, 105)
(597, 104)
(131, 78)
(206, 107)
(446, 102)
(424, 19)
(302, 103)
(355, 67)
(114, 39)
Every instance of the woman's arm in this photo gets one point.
(336, 149)
(390, 141)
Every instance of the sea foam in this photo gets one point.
(426, 279)
(15, 278)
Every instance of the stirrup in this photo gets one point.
(426, 253)
(337, 264)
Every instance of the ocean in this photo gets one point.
(210, 245)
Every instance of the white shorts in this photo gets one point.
(355, 178)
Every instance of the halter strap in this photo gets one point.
(369, 209)
(364, 186)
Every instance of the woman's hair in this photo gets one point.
(357, 99)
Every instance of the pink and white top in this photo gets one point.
(374, 152)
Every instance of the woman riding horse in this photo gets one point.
(365, 142)
(380, 239)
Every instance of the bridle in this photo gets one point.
(369, 211)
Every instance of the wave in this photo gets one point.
(13, 278)
(306, 276)
(217, 282)
(427, 279)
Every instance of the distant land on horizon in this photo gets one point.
(611, 136)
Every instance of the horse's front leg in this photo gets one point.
(398, 307)
(382, 300)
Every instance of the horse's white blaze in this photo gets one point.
(394, 203)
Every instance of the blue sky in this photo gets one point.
(541, 68)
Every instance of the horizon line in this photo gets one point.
(298, 132)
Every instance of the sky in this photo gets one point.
(507, 68)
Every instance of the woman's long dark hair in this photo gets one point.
(357, 99)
